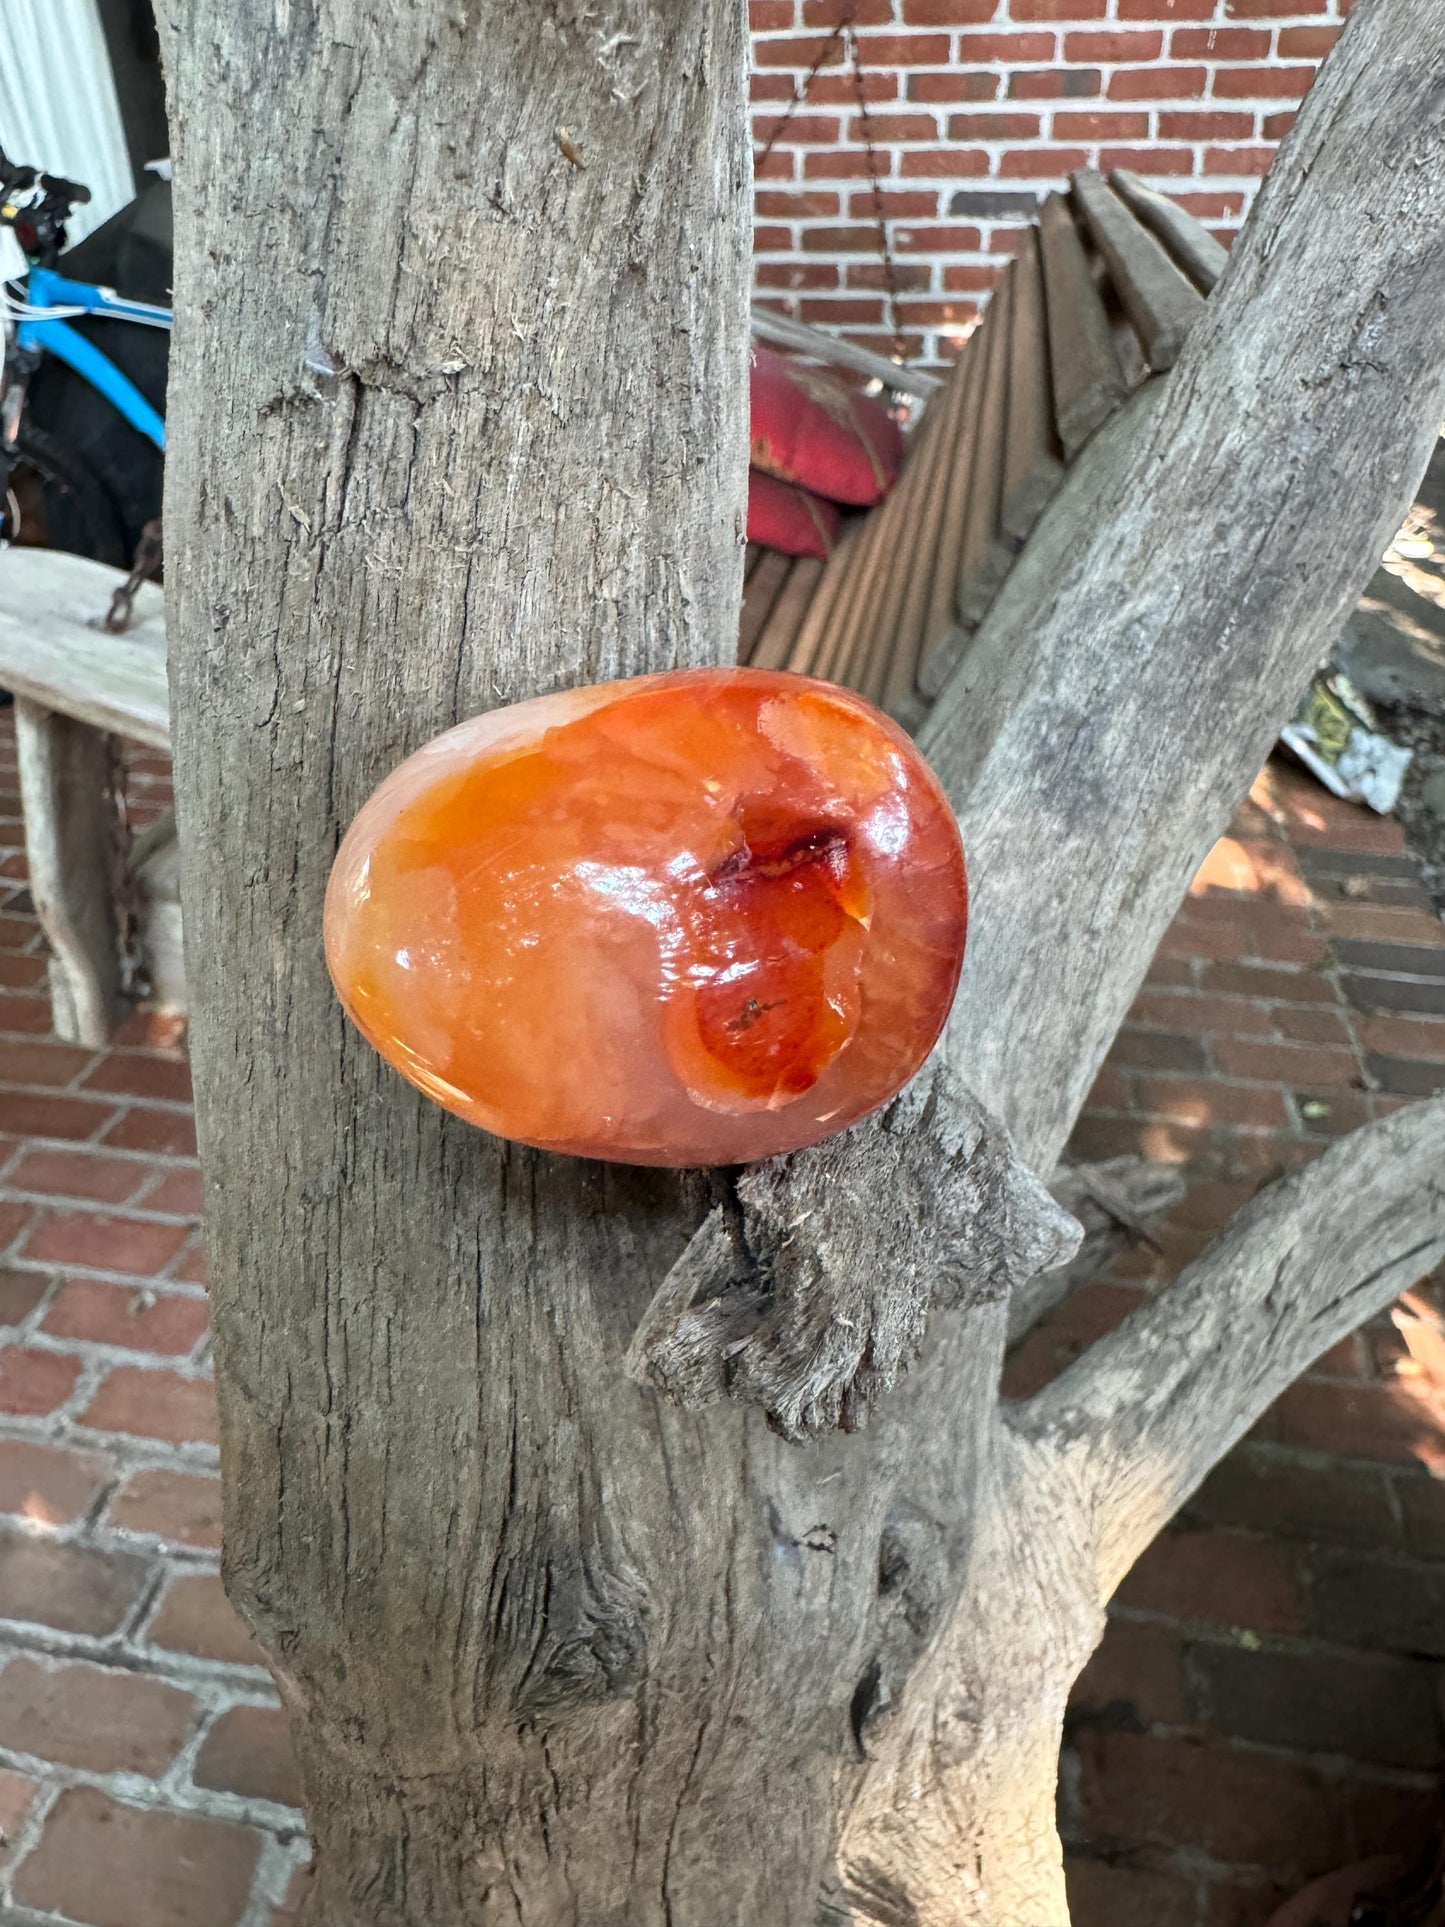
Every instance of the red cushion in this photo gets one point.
(787, 518)
(810, 428)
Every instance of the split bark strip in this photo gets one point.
(1162, 304)
(1088, 381)
(1140, 1419)
(1191, 244)
(786, 1300)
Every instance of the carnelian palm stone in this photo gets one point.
(692, 919)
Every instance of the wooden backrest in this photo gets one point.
(1098, 299)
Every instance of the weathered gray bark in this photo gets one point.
(457, 400)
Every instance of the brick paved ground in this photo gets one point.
(1266, 1702)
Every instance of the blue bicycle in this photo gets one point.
(49, 497)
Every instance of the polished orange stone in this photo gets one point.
(692, 919)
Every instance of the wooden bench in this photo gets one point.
(76, 689)
(1094, 307)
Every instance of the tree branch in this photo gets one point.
(1204, 576)
(1147, 1411)
(809, 1295)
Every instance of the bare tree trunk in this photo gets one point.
(457, 400)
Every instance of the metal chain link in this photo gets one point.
(145, 568)
(846, 32)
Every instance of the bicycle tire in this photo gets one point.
(63, 503)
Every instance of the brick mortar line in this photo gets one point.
(192, 1454)
(168, 1794)
(125, 1101)
(166, 1161)
(99, 1359)
(127, 1653)
(59, 1427)
(93, 1534)
(185, 1288)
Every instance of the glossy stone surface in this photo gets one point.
(691, 919)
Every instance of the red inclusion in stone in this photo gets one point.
(692, 919)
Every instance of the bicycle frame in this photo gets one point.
(47, 289)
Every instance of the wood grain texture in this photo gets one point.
(1088, 383)
(761, 590)
(456, 421)
(1162, 304)
(1191, 245)
(67, 772)
(778, 634)
(822, 346)
(1033, 466)
(987, 555)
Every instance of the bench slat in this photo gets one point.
(760, 591)
(1193, 247)
(1032, 468)
(52, 654)
(1160, 302)
(1088, 381)
(987, 554)
(774, 645)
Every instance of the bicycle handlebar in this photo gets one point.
(55, 187)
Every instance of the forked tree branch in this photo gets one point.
(1147, 1411)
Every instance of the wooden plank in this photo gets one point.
(903, 524)
(774, 645)
(987, 555)
(70, 833)
(812, 638)
(941, 614)
(1162, 304)
(760, 592)
(937, 543)
(855, 597)
(1189, 242)
(1033, 464)
(797, 335)
(1088, 383)
(53, 652)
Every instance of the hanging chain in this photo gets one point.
(801, 92)
(885, 255)
(146, 567)
(846, 33)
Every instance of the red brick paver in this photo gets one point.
(1264, 1705)
(144, 1773)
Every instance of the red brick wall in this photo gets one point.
(978, 108)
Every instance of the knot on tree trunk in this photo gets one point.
(808, 1292)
